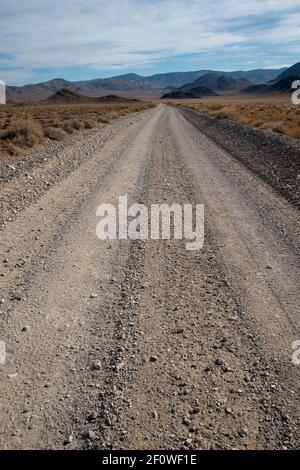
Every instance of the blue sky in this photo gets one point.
(79, 40)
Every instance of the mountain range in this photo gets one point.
(209, 84)
(132, 85)
(281, 84)
(217, 83)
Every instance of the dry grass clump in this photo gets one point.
(271, 115)
(26, 126)
(89, 123)
(20, 134)
(54, 133)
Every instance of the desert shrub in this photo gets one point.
(54, 133)
(293, 131)
(227, 114)
(90, 123)
(112, 115)
(215, 107)
(13, 149)
(67, 127)
(24, 133)
(103, 119)
(26, 126)
(76, 124)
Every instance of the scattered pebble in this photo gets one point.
(12, 376)
(90, 435)
(96, 365)
(69, 440)
(153, 358)
(243, 432)
(219, 361)
(16, 297)
(93, 416)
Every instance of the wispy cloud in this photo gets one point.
(119, 34)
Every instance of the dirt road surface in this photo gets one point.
(143, 344)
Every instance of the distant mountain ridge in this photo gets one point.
(293, 71)
(129, 85)
(210, 84)
(177, 79)
(196, 91)
(68, 96)
(281, 84)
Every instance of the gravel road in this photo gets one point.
(143, 344)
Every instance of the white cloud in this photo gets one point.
(121, 33)
(287, 31)
(15, 76)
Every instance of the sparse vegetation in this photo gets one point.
(54, 133)
(271, 115)
(21, 133)
(26, 126)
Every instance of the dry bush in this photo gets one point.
(89, 124)
(26, 126)
(76, 124)
(54, 133)
(13, 149)
(272, 115)
(67, 127)
(110, 115)
(103, 119)
(22, 133)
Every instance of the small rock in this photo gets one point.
(153, 358)
(186, 421)
(90, 435)
(243, 432)
(12, 376)
(25, 328)
(93, 296)
(219, 361)
(193, 428)
(16, 297)
(69, 440)
(96, 365)
(93, 416)
(11, 167)
(179, 331)
(195, 410)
